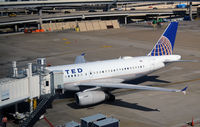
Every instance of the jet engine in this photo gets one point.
(92, 97)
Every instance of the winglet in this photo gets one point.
(80, 59)
(83, 54)
(184, 90)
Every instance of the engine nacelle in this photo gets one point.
(90, 97)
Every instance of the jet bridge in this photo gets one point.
(30, 84)
(27, 83)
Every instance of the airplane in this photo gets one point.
(92, 80)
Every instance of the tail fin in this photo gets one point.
(165, 44)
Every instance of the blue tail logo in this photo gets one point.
(165, 44)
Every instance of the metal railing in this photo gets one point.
(44, 103)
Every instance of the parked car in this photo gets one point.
(66, 12)
(118, 9)
(92, 10)
(132, 9)
(12, 15)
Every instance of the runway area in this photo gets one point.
(132, 107)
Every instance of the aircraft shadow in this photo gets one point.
(75, 106)
(120, 103)
(145, 79)
(117, 102)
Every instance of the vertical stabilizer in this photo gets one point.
(165, 44)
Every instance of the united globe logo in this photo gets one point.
(163, 47)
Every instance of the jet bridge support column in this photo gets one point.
(31, 105)
(1, 116)
(16, 108)
(190, 11)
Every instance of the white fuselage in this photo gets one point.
(124, 68)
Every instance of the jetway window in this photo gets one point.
(47, 83)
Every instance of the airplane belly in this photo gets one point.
(133, 76)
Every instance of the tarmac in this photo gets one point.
(132, 107)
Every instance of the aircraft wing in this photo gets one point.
(129, 86)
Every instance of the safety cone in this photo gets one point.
(192, 124)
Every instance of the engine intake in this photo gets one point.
(90, 97)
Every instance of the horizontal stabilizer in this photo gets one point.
(181, 61)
